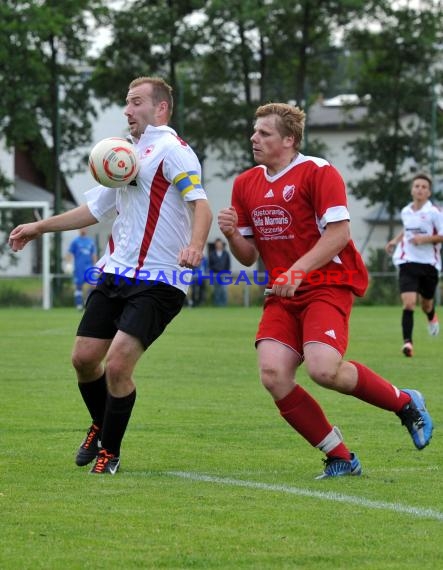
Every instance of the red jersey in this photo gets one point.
(288, 212)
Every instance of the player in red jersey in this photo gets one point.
(292, 210)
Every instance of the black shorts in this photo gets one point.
(140, 308)
(419, 278)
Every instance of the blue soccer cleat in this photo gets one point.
(337, 467)
(417, 420)
(355, 465)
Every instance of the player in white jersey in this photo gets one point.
(417, 254)
(161, 224)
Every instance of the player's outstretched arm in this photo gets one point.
(74, 219)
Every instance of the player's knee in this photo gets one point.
(116, 368)
(321, 374)
(270, 378)
(81, 361)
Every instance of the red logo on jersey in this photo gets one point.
(271, 220)
(148, 150)
(288, 192)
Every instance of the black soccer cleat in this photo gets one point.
(106, 463)
(89, 448)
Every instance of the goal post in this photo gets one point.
(46, 275)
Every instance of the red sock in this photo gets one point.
(375, 390)
(304, 414)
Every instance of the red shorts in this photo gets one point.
(319, 315)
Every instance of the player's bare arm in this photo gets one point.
(74, 219)
(330, 244)
(192, 255)
(422, 240)
(390, 246)
(244, 250)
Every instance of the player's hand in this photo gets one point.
(227, 221)
(287, 283)
(190, 257)
(419, 240)
(390, 246)
(22, 234)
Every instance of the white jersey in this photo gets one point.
(427, 221)
(153, 221)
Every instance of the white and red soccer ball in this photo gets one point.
(113, 162)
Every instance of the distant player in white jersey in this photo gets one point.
(161, 224)
(418, 257)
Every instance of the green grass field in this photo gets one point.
(211, 476)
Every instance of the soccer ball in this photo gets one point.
(113, 162)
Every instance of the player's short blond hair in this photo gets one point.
(291, 120)
(161, 91)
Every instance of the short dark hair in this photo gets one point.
(423, 176)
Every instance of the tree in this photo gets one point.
(398, 67)
(46, 107)
(254, 52)
(161, 39)
(222, 59)
(44, 44)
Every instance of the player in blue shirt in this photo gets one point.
(83, 253)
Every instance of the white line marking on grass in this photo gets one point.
(326, 495)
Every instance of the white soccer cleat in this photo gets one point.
(408, 349)
(434, 326)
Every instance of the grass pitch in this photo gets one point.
(211, 476)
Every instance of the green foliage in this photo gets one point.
(201, 410)
(43, 47)
(160, 39)
(383, 283)
(398, 67)
(21, 292)
(10, 297)
(223, 59)
(28, 292)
